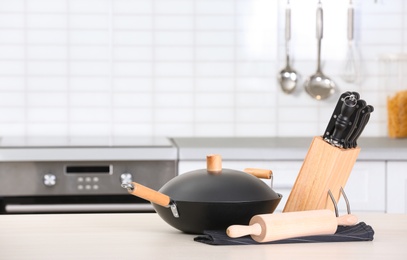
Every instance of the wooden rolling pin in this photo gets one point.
(271, 227)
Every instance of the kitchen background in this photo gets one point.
(185, 67)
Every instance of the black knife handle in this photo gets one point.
(342, 121)
(354, 119)
(331, 124)
(362, 124)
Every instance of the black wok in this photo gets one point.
(208, 199)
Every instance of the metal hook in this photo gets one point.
(336, 205)
(334, 202)
(346, 200)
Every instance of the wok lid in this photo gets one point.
(215, 184)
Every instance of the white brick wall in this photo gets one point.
(184, 67)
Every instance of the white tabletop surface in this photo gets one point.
(146, 236)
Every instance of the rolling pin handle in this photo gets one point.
(347, 220)
(235, 231)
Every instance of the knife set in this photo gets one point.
(331, 157)
(348, 120)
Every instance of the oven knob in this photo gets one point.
(126, 177)
(50, 179)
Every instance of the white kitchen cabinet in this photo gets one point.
(365, 188)
(396, 187)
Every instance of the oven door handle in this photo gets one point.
(52, 208)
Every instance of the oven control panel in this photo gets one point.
(87, 183)
(73, 178)
(88, 176)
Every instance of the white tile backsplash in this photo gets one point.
(48, 37)
(170, 85)
(11, 52)
(11, 36)
(12, 115)
(172, 6)
(43, 6)
(186, 67)
(214, 22)
(12, 68)
(47, 68)
(12, 83)
(130, 100)
(170, 38)
(133, 115)
(215, 7)
(172, 22)
(89, 99)
(45, 99)
(90, 115)
(171, 53)
(46, 21)
(172, 69)
(131, 69)
(213, 38)
(49, 52)
(88, 6)
(255, 115)
(46, 115)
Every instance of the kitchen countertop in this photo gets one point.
(146, 236)
(184, 148)
(86, 148)
(281, 148)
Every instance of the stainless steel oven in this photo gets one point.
(55, 175)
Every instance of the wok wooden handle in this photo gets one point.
(271, 227)
(259, 173)
(150, 194)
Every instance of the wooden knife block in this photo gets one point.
(325, 168)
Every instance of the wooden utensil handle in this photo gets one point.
(235, 231)
(347, 220)
(259, 173)
(150, 194)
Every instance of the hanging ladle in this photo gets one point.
(318, 85)
(288, 77)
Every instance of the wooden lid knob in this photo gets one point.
(214, 163)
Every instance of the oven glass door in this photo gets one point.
(74, 204)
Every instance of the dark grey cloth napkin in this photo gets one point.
(359, 232)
